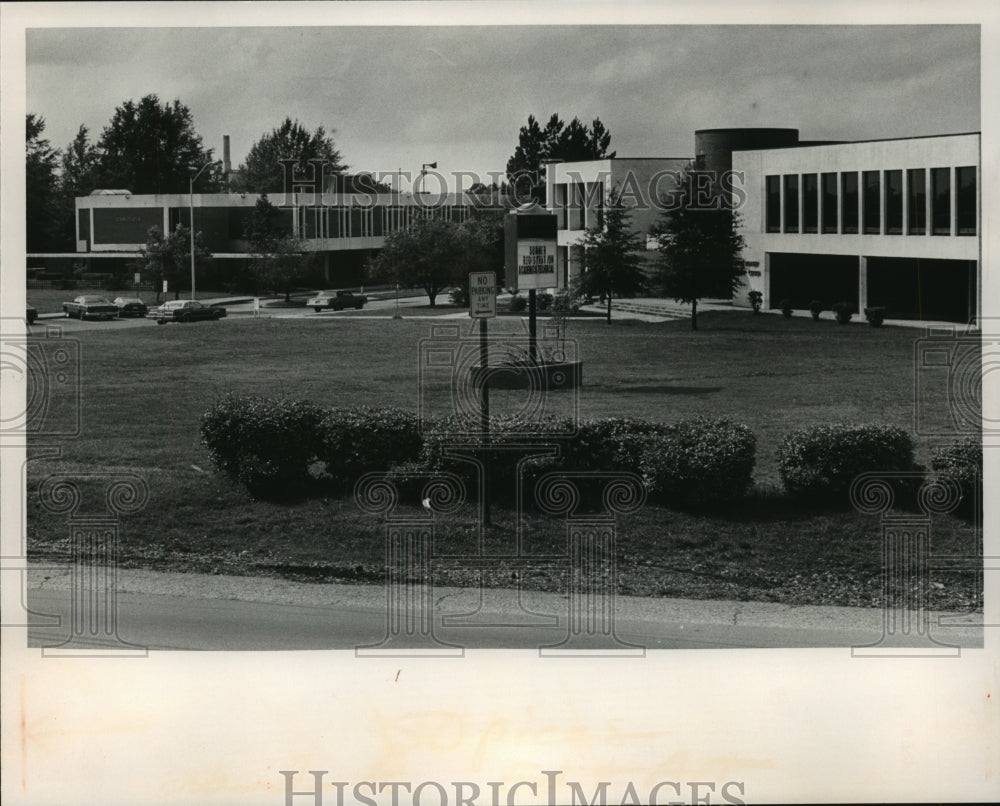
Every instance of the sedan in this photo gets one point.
(336, 300)
(130, 306)
(90, 307)
(185, 310)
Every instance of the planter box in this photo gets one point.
(551, 377)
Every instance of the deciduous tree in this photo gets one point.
(263, 172)
(149, 147)
(427, 254)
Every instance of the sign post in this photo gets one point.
(530, 243)
(483, 306)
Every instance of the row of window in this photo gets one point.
(877, 202)
(366, 222)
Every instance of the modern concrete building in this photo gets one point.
(577, 191)
(889, 223)
(892, 223)
(342, 229)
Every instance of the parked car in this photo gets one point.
(90, 307)
(130, 306)
(337, 300)
(186, 310)
(31, 313)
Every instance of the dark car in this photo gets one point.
(31, 313)
(336, 300)
(87, 306)
(130, 306)
(186, 310)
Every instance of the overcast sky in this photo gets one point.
(397, 97)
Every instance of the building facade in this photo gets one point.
(577, 192)
(888, 223)
(343, 230)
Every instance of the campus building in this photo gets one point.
(577, 192)
(342, 230)
(888, 223)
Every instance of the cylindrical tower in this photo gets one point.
(714, 148)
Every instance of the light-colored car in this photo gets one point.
(185, 310)
(88, 306)
(336, 300)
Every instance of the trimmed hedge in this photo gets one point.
(354, 441)
(614, 443)
(266, 444)
(821, 462)
(962, 462)
(698, 463)
(504, 430)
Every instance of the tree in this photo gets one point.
(699, 244)
(152, 148)
(557, 141)
(429, 254)
(263, 172)
(169, 258)
(40, 185)
(277, 258)
(78, 176)
(612, 255)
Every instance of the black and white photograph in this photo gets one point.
(498, 403)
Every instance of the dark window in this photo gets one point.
(965, 200)
(829, 215)
(849, 202)
(810, 203)
(378, 220)
(941, 201)
(916, 202)
(354, 225)
(773, 207)
(894, 202)
(870, 200)
(791, 203)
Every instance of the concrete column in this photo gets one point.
(862, 284)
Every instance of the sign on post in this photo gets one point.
(536, 263)
(483, 295)
(164, 286)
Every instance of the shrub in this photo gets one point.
(266, 444)
(459, 295)
(614, 443)
(755, 298)
(543, 300)
(844, 311)
(875, 316)
(820, 463)
(359, 440)
(518, 303)
(786, 308)
(962, 462)
(504, 431)
(816, 307)
(700, 462)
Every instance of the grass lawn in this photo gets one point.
(144, 391)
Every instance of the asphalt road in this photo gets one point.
(169, 611)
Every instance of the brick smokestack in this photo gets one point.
(226, 164)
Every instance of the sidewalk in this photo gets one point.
(506, 619)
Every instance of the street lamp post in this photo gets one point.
(423, 172)
(191, 214)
